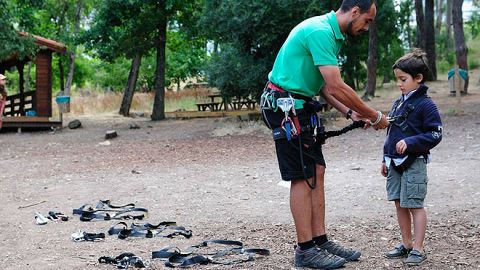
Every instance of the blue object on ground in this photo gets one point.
(31, 113)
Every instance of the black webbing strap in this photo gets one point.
(88, 213)
(174, 257)
(147, 230)
(323, 136)
(124, 261)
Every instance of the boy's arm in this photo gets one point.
(432, 131)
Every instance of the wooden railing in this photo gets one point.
(17, 105)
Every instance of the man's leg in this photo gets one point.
(307, 255)
(318, 204)
(318, 221)
(301, 207)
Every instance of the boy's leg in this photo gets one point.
(404, 221)
(419, 227)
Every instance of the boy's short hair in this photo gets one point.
(364, 5)
(413, 63)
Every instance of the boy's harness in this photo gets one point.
(400, 120)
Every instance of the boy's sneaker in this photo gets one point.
(317, 259)
(336, 249)
(398, 252)
(415, 258)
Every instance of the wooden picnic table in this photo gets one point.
(212, 105)
(236, 103)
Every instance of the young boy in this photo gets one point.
(415, 128)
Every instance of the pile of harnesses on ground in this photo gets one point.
(129, 218)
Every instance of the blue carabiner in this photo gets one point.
(288, 130)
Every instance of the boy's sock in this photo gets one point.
(320, 240)
(306, 245)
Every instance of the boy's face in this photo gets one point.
(406, 82)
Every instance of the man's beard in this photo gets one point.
(350, 32)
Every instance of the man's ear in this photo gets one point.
(355, 12)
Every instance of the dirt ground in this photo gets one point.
(219, 178)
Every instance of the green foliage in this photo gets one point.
(185, 57)
(11, 41)
(250, 33)
(236, 73)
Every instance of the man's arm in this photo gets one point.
(340, 107)
(335, 86)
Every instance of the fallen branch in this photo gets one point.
(30, 205)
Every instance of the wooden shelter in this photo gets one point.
(32, 108)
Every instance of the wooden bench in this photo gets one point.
(212, 106)
(248, 104)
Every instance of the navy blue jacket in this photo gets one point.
(423, 121)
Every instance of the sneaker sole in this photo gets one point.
(336, 265)
(354, 256)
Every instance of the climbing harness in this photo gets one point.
(290, 128)
(234, 253)
(103, 209)
(124, 261)
(167, 229)
(400, 120)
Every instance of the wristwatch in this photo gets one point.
(349, 114)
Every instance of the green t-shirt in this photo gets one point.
(314, 42)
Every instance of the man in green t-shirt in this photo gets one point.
(306, 63)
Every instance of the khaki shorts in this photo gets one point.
(410, 187)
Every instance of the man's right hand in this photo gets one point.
(382, 124)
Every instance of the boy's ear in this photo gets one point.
(419, 78)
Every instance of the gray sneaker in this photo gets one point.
(317, 259)
(336, 249)
(398, 252)
(415, 258)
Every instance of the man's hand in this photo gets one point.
(357, 117)
(382, 124)
(383, 170)
(401, 147)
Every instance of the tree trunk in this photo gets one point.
(461, 49)
(158, 112)
(420, 24)
(27, 78)
(430, 39)
(21, 89)
(130, 88)
(71, 68)
(438, 25)
(448, 19)
(62, 74)
(372, 61)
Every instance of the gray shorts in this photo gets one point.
(410, 187)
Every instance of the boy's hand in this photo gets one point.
(383, 170)
(401, 147)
